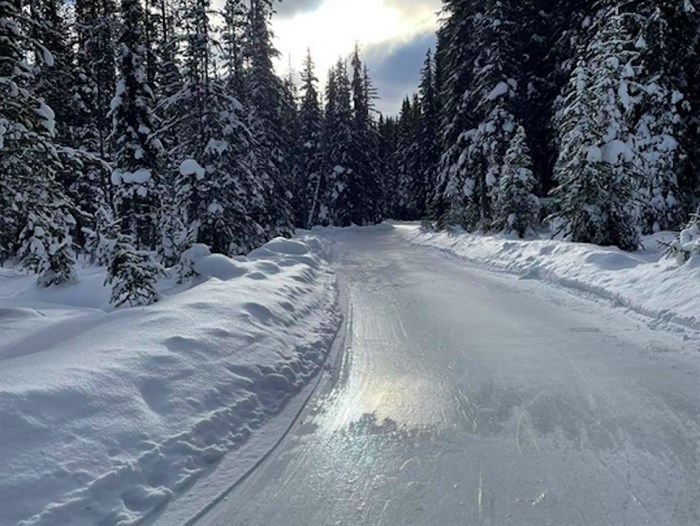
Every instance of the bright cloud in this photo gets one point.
(332, 29)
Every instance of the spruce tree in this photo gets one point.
(597, 179)
(133, 274)
(264, 92)
(517, 207)
(338, 169)
(427, 135)
(36, 218)
(210, 183)
(137, 151)
(310, 129)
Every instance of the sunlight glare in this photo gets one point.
(332, 30)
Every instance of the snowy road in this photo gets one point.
(468, 397)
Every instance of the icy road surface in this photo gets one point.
(472, 398)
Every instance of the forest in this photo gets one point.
(132, 130)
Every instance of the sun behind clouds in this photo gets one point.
(335, 26)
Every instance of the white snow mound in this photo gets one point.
(643, 281)
(107, 415)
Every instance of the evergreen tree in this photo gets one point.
(337, 207)
(408, 161)
(36, 219)
(310, 129)
(137, 151)
(91, 93)
(264, 99)
(427, 135)
(517, 207)
(133, 274)
(363, 188)
(595, 171)
(235, 17)
(387, 152)
(210, 184)
(482, 98)
(291, 147)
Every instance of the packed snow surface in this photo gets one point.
(472, 397)
(109, 414)
(644, 281)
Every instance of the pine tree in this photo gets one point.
(337, 203)
(410, 184)
(137, 151)
(362, 186)
(235, 17)
(387, 152)
(427, 135)
(481, 96)
(133, 274)
(36, 219)
(210, 183)
(310, 129)
(91, 93)
(517, 207)
(291, 147)
(264, 100)
(595, 171)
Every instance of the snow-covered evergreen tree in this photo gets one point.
(596, 171)
(264, 96)
(410, 183)
(687, 241)
(482, 96)
(210, 184)
(137, 150)
(517, 207)
(338, 171)
(656, 142)
(36, 218)
(133, 274)
(291, 146)
(427, 135)
(310, 129)
(100, 240)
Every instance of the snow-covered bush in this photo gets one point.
(132, 274)
(687, 242)
(47, 246)
(188, 260)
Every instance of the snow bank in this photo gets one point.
(109, 414)
(644, 281)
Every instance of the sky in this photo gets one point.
(394, 36)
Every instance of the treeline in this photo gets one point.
(595, 104)
(131, 130)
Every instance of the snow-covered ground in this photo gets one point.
(644, 281)
(106, 415)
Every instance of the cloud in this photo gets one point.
(394, 35)
(395, 69)
(290, 8)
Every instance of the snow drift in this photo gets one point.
(107, 414)
(643, 281)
